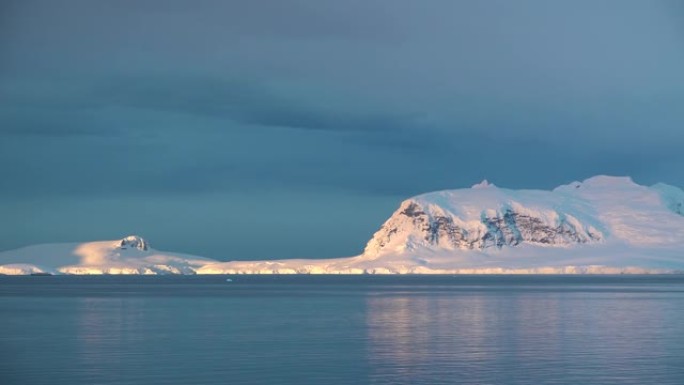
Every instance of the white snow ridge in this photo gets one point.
(130, 255)
(604, 225)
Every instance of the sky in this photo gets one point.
(264, 129)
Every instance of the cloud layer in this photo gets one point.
(311, 120)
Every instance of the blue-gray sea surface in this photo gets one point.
(195, 330)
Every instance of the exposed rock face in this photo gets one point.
(496, 228)
(485, 218)
(134, 242)
(512, 228)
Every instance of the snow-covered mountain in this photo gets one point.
(130, 255)
(602, 225)
(600, 209)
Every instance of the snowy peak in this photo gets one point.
(484, 184)
(133, 242)
(482, 218)
(601, 182)
(130, 255)
(607, 181)
(420, 224)
(603, 225)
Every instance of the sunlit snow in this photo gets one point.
(604, 225)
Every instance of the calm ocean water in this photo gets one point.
(342, 330)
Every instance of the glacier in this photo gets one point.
(603, 225)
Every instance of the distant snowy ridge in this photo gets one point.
(130, 255)
(604, 225)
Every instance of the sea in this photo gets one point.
(327, 330)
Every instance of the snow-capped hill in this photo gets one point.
(603, 225)
(631, 213)
(484, 184)
(133, 242)
(130, 255)
(483, 217)
(602, 208)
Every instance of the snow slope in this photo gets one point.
(130, 255)
(602, 225)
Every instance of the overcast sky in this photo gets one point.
(267, 129)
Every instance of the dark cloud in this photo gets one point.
(241, 101)
(245, 102)
(36, 122)
(244, 115)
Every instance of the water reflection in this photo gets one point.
(429, 330)
(517, 338)
(106, 326)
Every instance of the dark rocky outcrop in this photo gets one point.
(505, 228)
